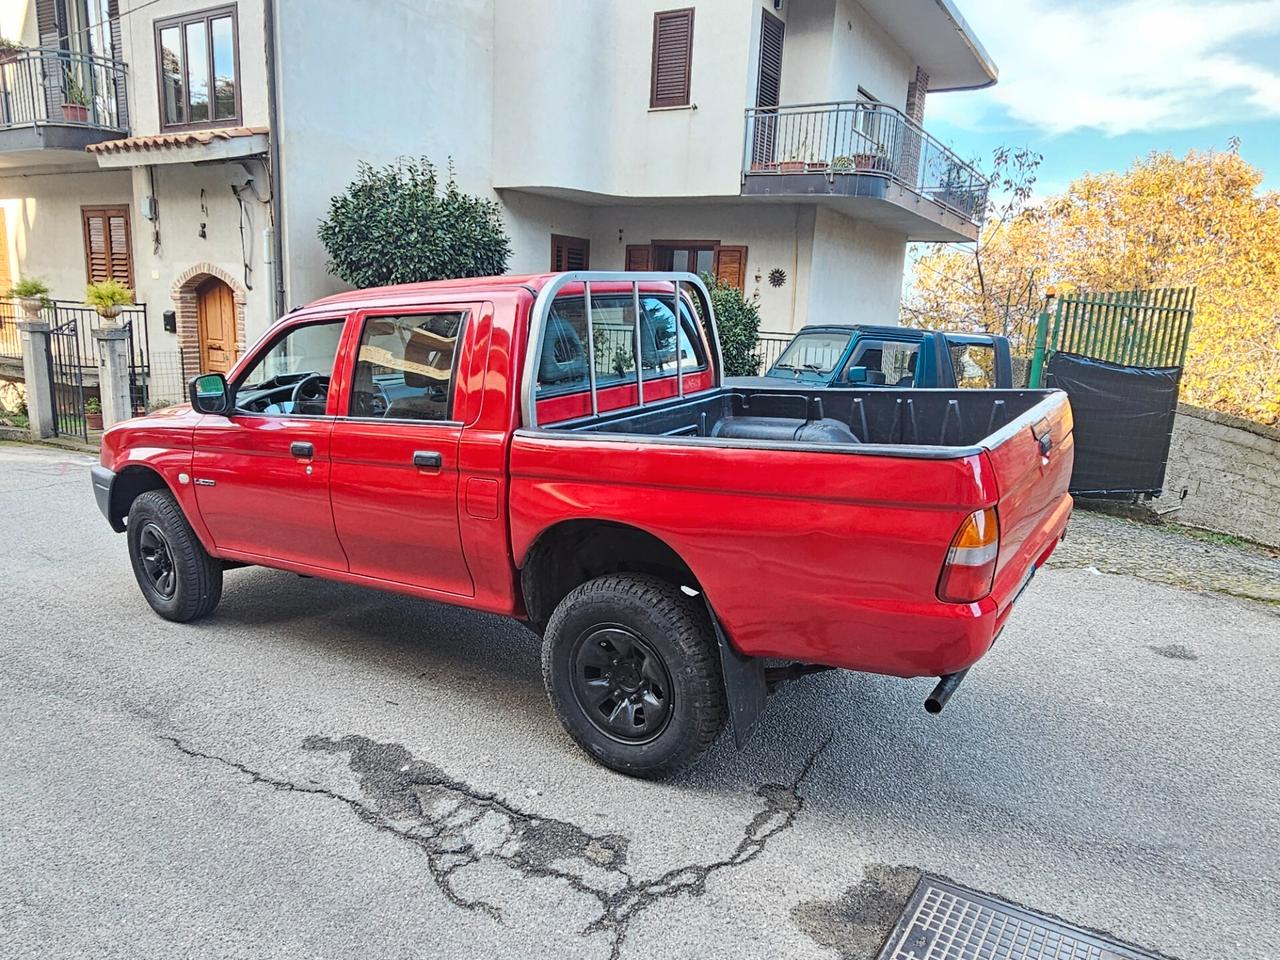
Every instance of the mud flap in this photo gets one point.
(744, 684)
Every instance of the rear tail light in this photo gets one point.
(971, 560)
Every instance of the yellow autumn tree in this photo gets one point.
(1199, 220)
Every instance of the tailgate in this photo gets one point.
(1031, 458)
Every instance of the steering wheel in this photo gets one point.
(300, 396)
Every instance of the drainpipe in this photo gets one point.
(278, 296)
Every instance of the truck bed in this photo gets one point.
(917, 423)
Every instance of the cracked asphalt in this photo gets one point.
(324, 771)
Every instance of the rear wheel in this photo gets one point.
(177, 577)
(632, 669)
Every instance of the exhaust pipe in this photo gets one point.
(947, 685)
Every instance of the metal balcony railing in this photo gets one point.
(861, 137)
(42, 86)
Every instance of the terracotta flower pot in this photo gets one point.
(75, 113)
(792, 166)
(93, 420)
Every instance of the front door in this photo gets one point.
(216, 308)
(394, 484)
(262, 474)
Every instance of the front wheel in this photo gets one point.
(631, 666)
(177, 577)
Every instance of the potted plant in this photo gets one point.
(108, 297)
(10, 50)
(93, 413)
(33, 294)
(75, 102)
(845, 164)
(870, 160)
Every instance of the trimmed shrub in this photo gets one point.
(396, 225)
(738, 323)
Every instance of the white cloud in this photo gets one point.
(1121, 67)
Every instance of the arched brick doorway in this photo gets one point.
(203, 289)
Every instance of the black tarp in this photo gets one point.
(1123, 423)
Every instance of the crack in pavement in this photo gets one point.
(456, 826)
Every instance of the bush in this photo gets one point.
(738, 323)
(395, 225)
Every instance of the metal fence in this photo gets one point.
(166, 382)
(862, 137)
(769, 347)
(1139, 328)
(46, 85)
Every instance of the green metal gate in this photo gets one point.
(1140, 328)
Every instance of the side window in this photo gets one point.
(974, 364)
(405, 367)
(292, 376)
(892, 359)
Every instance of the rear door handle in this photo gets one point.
(300, 448)
(428, 458)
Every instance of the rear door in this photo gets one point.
(394, 485)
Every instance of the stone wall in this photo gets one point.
(1227, 472)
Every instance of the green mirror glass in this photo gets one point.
(209, 393)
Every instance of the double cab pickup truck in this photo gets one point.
(859, 354)
(562, 449)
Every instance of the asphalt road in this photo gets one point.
(323, 771)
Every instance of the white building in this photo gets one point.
(776, 143)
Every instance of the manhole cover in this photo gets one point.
(946, 922)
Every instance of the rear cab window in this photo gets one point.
(563, 386)
(974, 364)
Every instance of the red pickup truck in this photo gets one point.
(561, 449)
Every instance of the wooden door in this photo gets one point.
(216, 309)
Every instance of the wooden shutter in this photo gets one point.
(768, 87)
(570, 253)
(108, 252)
(639, 256)
(672, 58)
(117, 53)
(731, 266)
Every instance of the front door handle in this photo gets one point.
(302, 449)
(428, 458)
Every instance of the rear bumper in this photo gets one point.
(102, 479)
(918, 639)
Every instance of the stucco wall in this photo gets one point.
(1229, 470)
(584, 77)
(442, 109)
(857, 272)
(46, 236)
(863, 54)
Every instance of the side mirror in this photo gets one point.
(856, 375)
(210, 393)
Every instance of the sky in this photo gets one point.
(1095, 84)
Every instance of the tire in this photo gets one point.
(640, 640)
(160, 540)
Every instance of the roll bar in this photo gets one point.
(542, 309)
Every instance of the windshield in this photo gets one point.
(816, 352)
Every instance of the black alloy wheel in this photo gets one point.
(157, 561)
(621, 683)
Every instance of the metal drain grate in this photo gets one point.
(946, 922)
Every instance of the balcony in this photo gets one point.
(54, 103)
(866, 160)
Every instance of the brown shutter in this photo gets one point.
(731, 266)
(52, 33)
(108, 252)
(117, 53)
(768, 86)
(672, 58)
(570, 253)
(639, 256)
